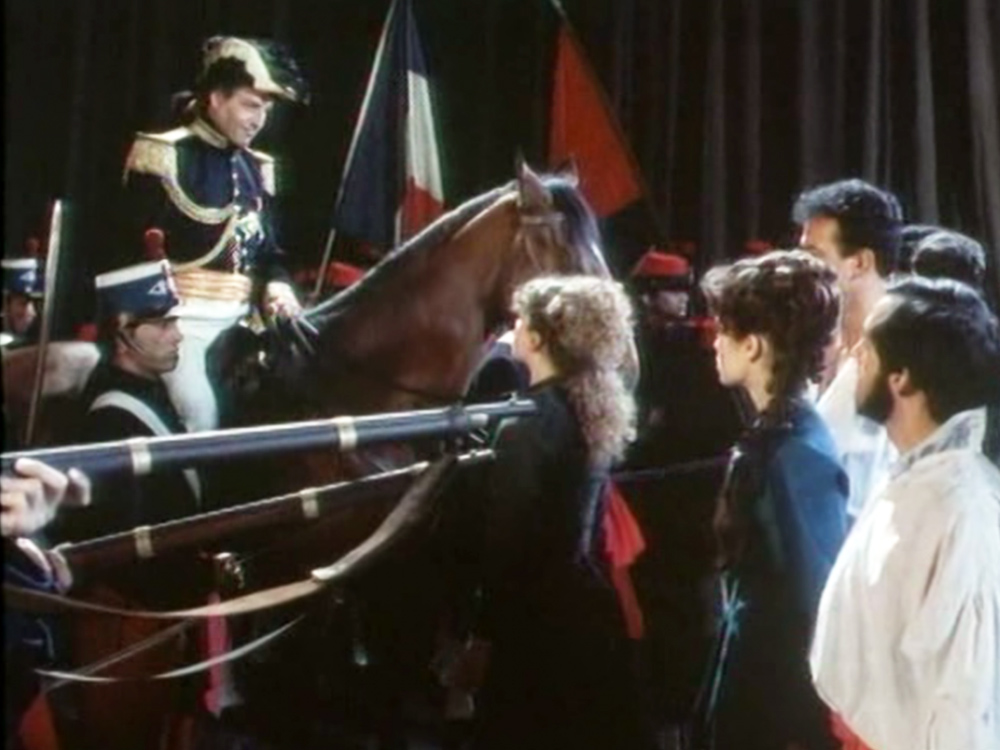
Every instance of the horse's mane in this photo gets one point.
(433, 235)
(581, 224)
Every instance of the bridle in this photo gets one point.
(529, 225)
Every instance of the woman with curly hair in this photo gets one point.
(558, 673)
(780, 519)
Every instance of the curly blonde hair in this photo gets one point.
(587, 324)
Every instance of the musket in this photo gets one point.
(141, 456)
(45, 333)
(304, 506)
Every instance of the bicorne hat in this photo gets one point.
(270, 65)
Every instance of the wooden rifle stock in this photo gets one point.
(297, 507)
(141, 456)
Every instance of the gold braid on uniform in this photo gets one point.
(227, 235)
(156, 154)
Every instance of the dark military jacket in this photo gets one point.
(211, 199)
(124, 502)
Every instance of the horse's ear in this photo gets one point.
(531, 191)
(569, 171)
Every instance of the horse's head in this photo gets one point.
(418, 320)
(542, 225)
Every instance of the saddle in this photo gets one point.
(243, 362)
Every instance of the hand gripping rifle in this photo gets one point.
(141, 456)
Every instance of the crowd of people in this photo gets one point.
(846, 557)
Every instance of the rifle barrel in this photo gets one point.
(140, 456)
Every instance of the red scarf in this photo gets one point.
(623, 544)
(848, 739)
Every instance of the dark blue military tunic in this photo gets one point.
(210, 198)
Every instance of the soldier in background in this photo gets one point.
(685, 416)
(22, 294)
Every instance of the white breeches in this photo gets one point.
(200, 322)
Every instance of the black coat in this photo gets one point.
(793, 492)
(558, 675)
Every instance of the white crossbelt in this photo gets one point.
(142, 412)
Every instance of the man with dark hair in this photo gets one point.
(947, 254)
(199, 196)
(907, 638)
(910, 236)
(854, 227)
(125, 397)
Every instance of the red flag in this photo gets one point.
(584, 129)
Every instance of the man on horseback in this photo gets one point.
(199, 196)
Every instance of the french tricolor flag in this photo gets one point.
(392, 179)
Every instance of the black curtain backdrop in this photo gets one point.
(732, 107)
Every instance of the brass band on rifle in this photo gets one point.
(310, 503)
(142, 460)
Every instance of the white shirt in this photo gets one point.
(863, 446)
(908, 632)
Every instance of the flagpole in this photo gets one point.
(376, 65)
(48, 306)
(613, 118)
(330, 237)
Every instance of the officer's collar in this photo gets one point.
(206, 132)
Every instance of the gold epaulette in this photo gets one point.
(266, 162)
(156, 154)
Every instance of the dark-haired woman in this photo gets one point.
(780, 519)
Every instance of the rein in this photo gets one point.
(414, 507)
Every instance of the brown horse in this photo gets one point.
(414, 328)
(410, 334)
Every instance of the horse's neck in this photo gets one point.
(426, 325)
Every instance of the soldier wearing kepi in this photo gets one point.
(199, 196)
(22, 289)
(125, 397)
